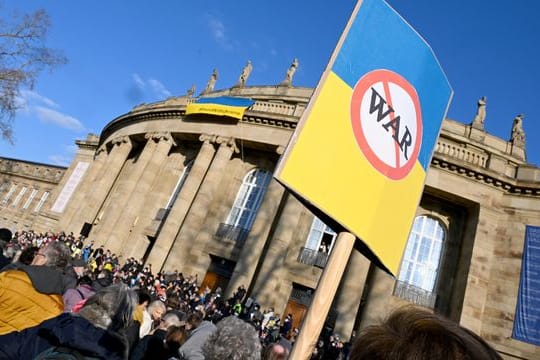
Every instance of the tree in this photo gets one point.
(23, 56)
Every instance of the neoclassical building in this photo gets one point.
(195, 194)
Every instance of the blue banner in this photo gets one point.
(527, 321)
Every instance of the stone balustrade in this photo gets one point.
(274, 108)
(461, 152)
(32, 170)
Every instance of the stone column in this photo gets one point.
(103, 183)
(182, 204)
(161, 190)
(117, 200)
(250, 254)
(78, 199)
(180, 252)
(349, 293)
(270, 288)
(154, 154)
(378, 301)
(479, 282)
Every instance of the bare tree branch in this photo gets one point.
(23, 56)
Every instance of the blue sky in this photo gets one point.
(123, 53)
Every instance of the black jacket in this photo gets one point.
(68, 331)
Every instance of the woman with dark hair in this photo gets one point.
(96, 331)
(412, 333)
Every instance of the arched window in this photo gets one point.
(420, 265)
(248, 199)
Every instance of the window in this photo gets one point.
(321, 237)
(41, 201)
(30, 198)
(319, 243)
(8, 195)
(19, 196)
(422, 256)
(179, 184)
(248, 199)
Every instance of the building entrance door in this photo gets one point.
(218, 274)
(297, 310)
(298, 304)
(213, 281)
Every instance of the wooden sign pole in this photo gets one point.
(323, 297)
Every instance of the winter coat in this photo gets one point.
(151, 347)
(67, 331)
(192, 348)
(29, 295)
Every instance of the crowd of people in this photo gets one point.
(64, 298)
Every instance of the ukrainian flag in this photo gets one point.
(362, 187)
(220, 106)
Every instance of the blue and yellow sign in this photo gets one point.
(220, 106)
(363, 146)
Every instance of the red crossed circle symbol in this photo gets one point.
(387, 122)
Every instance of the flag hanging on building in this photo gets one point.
(221, 106)
(363, 146)
(527, 319)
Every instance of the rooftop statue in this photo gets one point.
(211, 82)
(518, 134)
(290, 73)
(480, 117)
(191, 91)
(246, 71)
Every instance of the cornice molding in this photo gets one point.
(508, 186)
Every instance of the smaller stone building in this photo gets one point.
(25, 192)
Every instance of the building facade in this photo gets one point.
(195, 194)
(25, 191)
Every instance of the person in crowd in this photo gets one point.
(73, 271)
(287, 325)
(5, 237)
(103, 279)
(79, 267)
(267, 314)
(275, 352)
(22, 257)
(153, 346)
(176, 336)
(413, 333)
(199, 331)
(151, 315)
(233, 339)
(75, 296)
(30, 294)
(27, 255)
(318, 351)
(240, 293)
(95, 332)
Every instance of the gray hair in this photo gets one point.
(111, 307)
(57, 254)
(233, 339)
(171, 319)
(156, 304)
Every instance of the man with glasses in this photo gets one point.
(30, 294)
